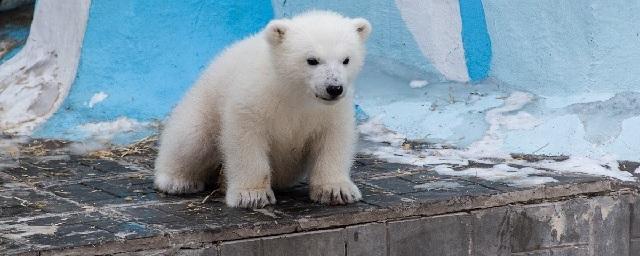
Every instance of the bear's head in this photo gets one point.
(320, 51)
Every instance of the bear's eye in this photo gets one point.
(312, 61)
(345, 61)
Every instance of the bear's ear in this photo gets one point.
(363, 27)
(276, 31)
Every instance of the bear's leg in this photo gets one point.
(329, 180)
(247, 169)
(188, 156)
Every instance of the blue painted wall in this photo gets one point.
(475, 38)
(145, 54)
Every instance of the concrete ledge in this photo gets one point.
(57, 203)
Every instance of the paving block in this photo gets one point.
(26, 201)
(394, 184)
(441, 235)
(82, 193)
(366, 240)
(247, 247)
(561, 251)
(610, 225)
(197, 252)
(570, 251)
(635, 218)
(541, 226)
(319, 243)
(491, 231)
(634, 247)
(382, 198)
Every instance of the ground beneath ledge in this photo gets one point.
(14, 29)
(55, 202)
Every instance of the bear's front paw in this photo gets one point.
(250, 198)
(344, 192)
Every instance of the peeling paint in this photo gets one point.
(602, 120)
(97, 98)
(558, 222)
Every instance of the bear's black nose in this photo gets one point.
(334, 90)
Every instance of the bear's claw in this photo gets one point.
(335, 193)
(250, 198)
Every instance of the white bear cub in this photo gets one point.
(271, 109)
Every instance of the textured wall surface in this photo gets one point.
(143, 55)
(391, 42)
(441, 71)
(577, 57)
(565, 47)
(35, 82)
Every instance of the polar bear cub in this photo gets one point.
(271, 109)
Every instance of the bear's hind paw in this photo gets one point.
(176, 186)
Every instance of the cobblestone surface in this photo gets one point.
(52, 202)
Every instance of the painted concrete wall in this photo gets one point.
(580, 59)
(139, 57)
(35, 82)
(413, 38)
(553, 77)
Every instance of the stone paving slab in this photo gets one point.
(54, 202)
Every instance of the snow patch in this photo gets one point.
(105, 131)
(76, 233)
(84, 147)
(375, 131)
(521, 177)
(604, 166)
(418, 83)
(97, 98)
(124, 235)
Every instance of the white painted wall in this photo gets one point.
(437, 28)
(34, 83)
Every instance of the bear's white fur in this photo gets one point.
(263, 111)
